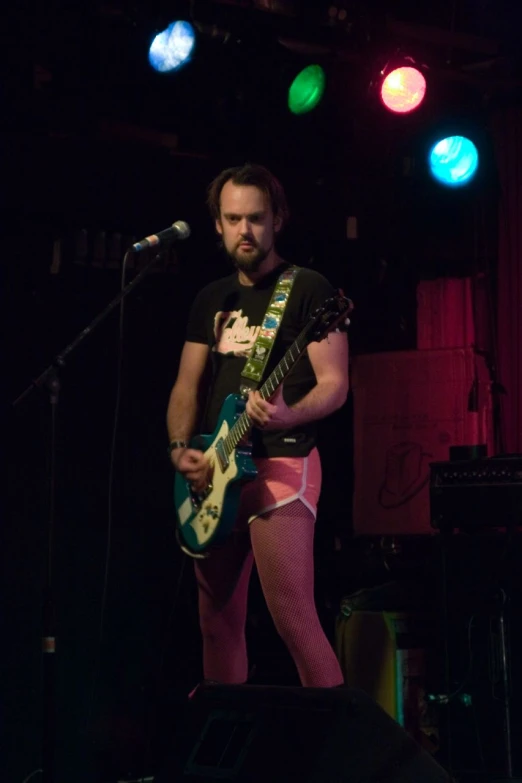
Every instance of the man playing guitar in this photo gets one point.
(277, 509)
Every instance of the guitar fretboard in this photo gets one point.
(276, 377)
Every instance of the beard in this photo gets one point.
(248, 261)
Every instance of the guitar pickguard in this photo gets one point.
(210, 513)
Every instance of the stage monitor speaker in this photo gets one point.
(254, 734)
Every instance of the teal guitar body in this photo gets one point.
(207, 520)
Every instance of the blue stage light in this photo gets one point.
(454, 160)
(172, 48)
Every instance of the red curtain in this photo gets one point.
(508, 153)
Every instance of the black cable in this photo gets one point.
(29, 777)
(110, 502)
(110, 521)
(478, 737)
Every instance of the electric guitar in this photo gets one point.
(205, 520)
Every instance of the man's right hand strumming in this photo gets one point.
(194, 466)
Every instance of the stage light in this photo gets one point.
(172, 48)
(403, 89)
(454, 160)
(307, 89)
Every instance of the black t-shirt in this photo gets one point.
(227, 317)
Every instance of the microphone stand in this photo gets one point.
(49, 379)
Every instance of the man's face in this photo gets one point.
(247, 225)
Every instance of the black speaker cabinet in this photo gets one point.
(259, 734)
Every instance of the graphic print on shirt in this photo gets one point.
(232, 333)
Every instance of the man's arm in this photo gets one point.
(183, 412)
(184, 403)
(329, 360)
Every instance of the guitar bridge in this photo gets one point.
(198, 498)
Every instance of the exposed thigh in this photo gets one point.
(283, 545)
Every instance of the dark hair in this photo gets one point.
(250, 174)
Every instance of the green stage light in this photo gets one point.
(306, 90)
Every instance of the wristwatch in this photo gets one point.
(176, 444)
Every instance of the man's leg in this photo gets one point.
(223, 590)
(283, 545)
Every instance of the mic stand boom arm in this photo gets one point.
(49, 374)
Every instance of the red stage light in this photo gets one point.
(403, 89)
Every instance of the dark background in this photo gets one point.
(97, 149)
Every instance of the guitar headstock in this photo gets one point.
(333, 314)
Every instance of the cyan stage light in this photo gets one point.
(454, 160)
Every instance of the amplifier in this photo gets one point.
(476, 493)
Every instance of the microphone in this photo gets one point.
(178, 230)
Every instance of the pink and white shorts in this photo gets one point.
(281, 480)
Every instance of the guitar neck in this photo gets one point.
(244, 423)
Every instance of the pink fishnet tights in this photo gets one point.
(281, 541)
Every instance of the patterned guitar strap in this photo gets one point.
(262, 348)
